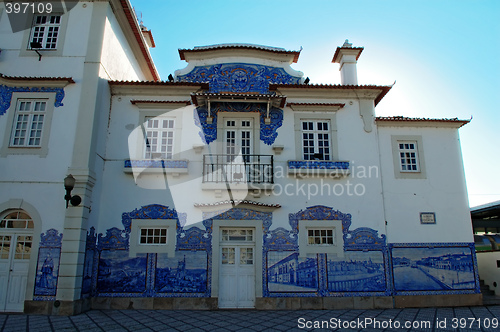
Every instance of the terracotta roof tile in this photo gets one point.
(337, 51)
(239, 46)
(34, 78)
(317, 104)
(408, 119)
(139, 37)
(385, 88)
(237, 201)
(136, 101)
(164, 83)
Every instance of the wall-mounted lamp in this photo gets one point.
(35, 46)
(69, 184)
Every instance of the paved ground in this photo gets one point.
(452, 319)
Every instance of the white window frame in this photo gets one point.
(336, 248)
(222, 117)
(300, 117)
(408, 156)
(316, 132)
(40, 149)
(399, 173)
(321, 237)
(27, 51)
(49, 28)
(135, 247)
(33, 129)
(147, 233)
(160, 131)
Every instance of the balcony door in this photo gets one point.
(238, 136)
(238, 148)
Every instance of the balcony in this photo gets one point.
(236, 169)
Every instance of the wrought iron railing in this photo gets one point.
(250, 168)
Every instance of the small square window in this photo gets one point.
(153, 236)
(318, 236)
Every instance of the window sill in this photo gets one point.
(156, 166)
(334, 169)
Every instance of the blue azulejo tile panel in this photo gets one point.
(239, 77)
(118, 273)
(268, 131)
(6, 95)
(47, 270)
(90, 263)
(187, 272)
(87, 271)
(289, 273)
(357, 271)
(432, 267)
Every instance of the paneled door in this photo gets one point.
(16, 238)
(237, 269)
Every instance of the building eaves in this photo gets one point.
(134, 25)
(240, 46)
(416, 120)
(384, 88)
(26, 81)
(317, 104)
(337, 52)
(235, 202)
(159, 83)
(137, 101)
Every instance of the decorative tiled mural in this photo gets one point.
(6, 95)
(186, 273)
(239, 77)
(288, 273)
(368, 267)
(47, 270)
(268, 131)
(432, 268)
(357, 271)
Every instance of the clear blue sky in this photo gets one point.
(444, 56)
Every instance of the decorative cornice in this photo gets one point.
(237, 202)
(380, 90)
(276, 50)
(200, 98)
(131, 18)
(390, 121)
(353, 50)
(26, 81)
(180, 102)
(299, 107)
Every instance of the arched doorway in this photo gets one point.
(16, 239)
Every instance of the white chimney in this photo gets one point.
(347, 56)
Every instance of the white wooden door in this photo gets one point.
(16, 239)
(237, 272)
(14, 264)
(238, 145)
(238, 136)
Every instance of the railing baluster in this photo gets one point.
(227, 168)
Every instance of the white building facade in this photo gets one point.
(235, 184)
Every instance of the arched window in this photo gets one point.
(14, 223)
(17, 219)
